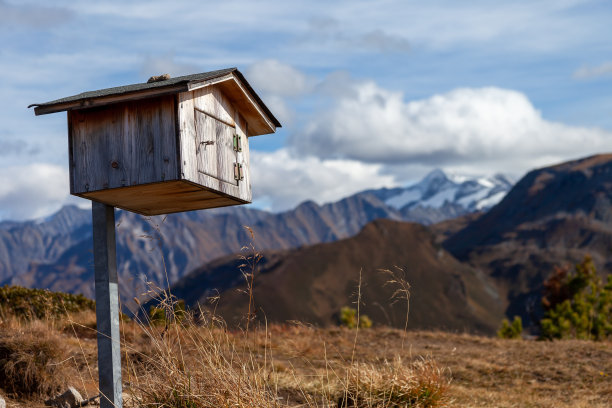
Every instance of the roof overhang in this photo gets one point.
(231, 81)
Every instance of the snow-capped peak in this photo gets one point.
(435, 176)
(438, 188)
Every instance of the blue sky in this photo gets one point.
(370, 93)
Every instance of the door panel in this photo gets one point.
(215, 150)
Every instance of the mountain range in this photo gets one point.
(468, 264)
(55, 252)
(554, 216)
(465, 273)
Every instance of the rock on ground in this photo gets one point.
(70, 399)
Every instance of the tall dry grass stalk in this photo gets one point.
(249, 269)
(397, 278)
(193, 360)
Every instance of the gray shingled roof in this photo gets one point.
(181, 80)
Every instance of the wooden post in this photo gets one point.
(107, 305)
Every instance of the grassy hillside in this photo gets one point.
(40, 303)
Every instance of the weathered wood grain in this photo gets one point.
(207, 144)
(114, 165)
(244, 186)
(216, 155)
(238, 95)
(226, 156)
(187, 136)
(162, 198)
(213, 102)
(125, 144)
(70, 152)
(201, 84)
(127, 155)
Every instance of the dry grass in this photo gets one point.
(420, 383)
(32, 357)
(206, 365)
(191, 366)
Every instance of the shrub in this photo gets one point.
(41, 303)
(511, 330)
(578, 305)
(348, 318)
(157, 316)
(162, 314)
(365, 322)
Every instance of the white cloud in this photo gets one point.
(282, 180)
(587, 72)
(274, 77)
(70, 47)
(483, 129)
(278, 83)
(34, 190)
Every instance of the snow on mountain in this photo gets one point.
(439, 189)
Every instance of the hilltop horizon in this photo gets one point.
(437, 172)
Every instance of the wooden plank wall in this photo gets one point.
(244, 158)
(187, 136)
(137, 143)
(207, 115)
(121, 145)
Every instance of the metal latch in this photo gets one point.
(238, 173)
(237, 143)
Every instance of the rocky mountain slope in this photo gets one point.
(440, 196)
(313, 283)
(41, 241)
(553, 216)
(163, 249)
(56, 253)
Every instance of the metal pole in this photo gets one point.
(107, 305)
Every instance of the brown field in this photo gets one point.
(300, 366)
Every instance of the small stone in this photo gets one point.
(70, 399)
(2, 403)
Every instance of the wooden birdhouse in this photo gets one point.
(171, 145)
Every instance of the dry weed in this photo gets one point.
(34, 359)
(420, 384)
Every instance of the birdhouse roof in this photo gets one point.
(230, 79)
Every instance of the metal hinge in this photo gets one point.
(238, 173)
(237, 143)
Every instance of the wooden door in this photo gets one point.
(215, 151)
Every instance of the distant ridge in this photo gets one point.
(553, 216)
(312, 283)
(55, 252)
